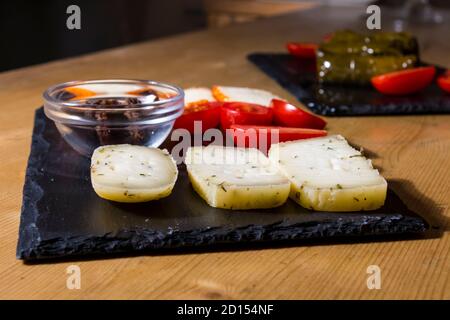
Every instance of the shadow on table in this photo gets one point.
(416, 201)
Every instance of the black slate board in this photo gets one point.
(62, 216)
(298, 76)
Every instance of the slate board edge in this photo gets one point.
(144, 239)
(136, 240)
(28, 231)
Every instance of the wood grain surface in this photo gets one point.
(413, 153)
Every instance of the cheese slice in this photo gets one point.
(196, 95)
(128, 173)
(235, 178)
(241, 94)
(327, 174)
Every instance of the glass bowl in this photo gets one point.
(92, 113)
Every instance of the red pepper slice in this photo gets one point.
(302, 50)
(288, 115)
(404, 82)
(444, 81)
(245, 113)
(249, 136)
(205, 111)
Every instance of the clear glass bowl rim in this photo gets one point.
(85, 107)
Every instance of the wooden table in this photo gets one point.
(413, 152)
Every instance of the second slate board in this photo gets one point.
(63, 217)
(298, 76)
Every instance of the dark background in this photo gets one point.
(35, 31)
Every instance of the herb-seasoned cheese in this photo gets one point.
(236, 178)
(327, 174)
(128, 173)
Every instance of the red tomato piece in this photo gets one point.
(250, 136)
(444, 81)
(405, 81)
(288, 115)
(302, 50)
(205, 111)
(245, 113)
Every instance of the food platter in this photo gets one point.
(105, 175)
(62, 217)
(353, 73)
(298, 76)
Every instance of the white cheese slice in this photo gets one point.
(241, 94)
(192, 95)
(327, 174)
(236, 178)
(128, 173)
